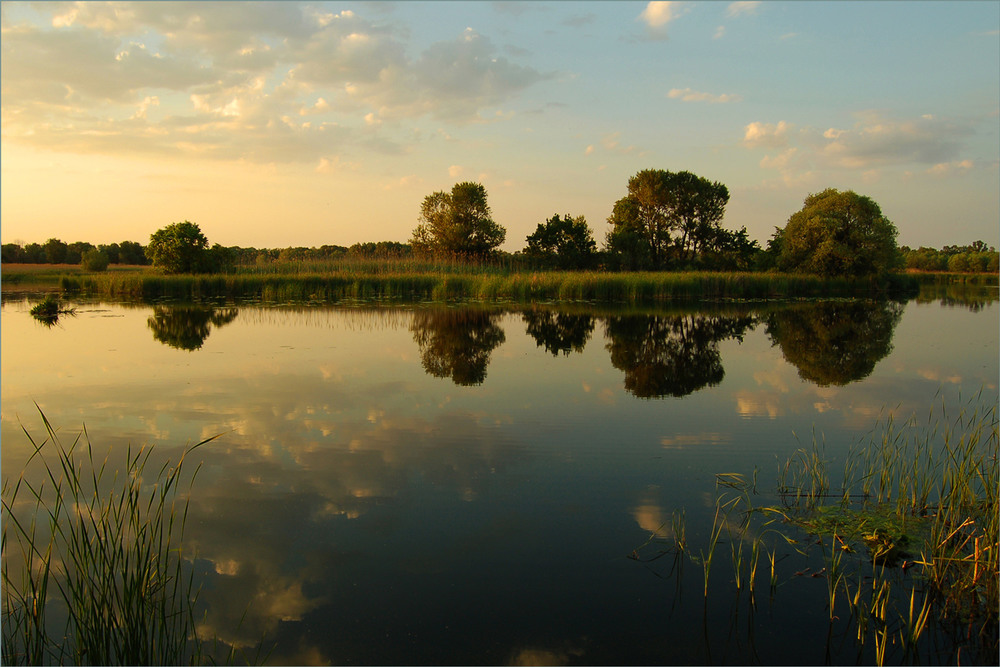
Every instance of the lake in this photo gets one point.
(471, 483)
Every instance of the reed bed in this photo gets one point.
(489, 284)
(94, 570)
(906, 536)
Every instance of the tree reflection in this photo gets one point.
(671, 355)
(835, 342)
(559, 332)
(187, 327)
(457, 343)
(958, 295)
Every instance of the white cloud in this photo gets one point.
(873, 143)
(229, 78)
(455, 171)
(719, 32)
(741, 8)
(688, 95)
(766, 134)
(658, 14)
(875, 140)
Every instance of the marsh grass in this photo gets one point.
(410, 280)
(93, 566)
(907, 538)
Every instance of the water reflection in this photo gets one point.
(671, 355)
(187, 327)
(559, 332)
(835, 342)
(958, 294)
(352, 507)
(457, 343)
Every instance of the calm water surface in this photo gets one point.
(465, 484)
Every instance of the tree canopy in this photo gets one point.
(565, 243)
(837, 234)
(458, 222)
(179, 248)
(667, 218)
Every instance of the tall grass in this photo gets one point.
(908, 536)
(415, 281)
(93, 564)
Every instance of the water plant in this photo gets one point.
(908, 542)
(94, 570)
(48, 310)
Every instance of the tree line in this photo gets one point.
(55, 251)
(974, 258)
(666, 221)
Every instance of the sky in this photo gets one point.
(303, 124)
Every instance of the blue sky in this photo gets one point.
(285, 124)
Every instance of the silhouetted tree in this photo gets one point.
(666, 218)
(459, 222)
(132, 252)
(55, 251)
(564, 243)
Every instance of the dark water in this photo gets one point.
(466, 484)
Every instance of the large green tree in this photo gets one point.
(666, 218)
(565, 243)
(458, 222)
(837, 234)
(179, 248)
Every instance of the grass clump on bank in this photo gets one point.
(907, 541)
(93, 565)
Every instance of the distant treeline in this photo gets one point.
(974, 258)
(133, 253)
(55, 251)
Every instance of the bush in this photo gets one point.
(94, 260)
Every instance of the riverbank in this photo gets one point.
(440, 285)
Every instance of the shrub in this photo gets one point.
(94, 260)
